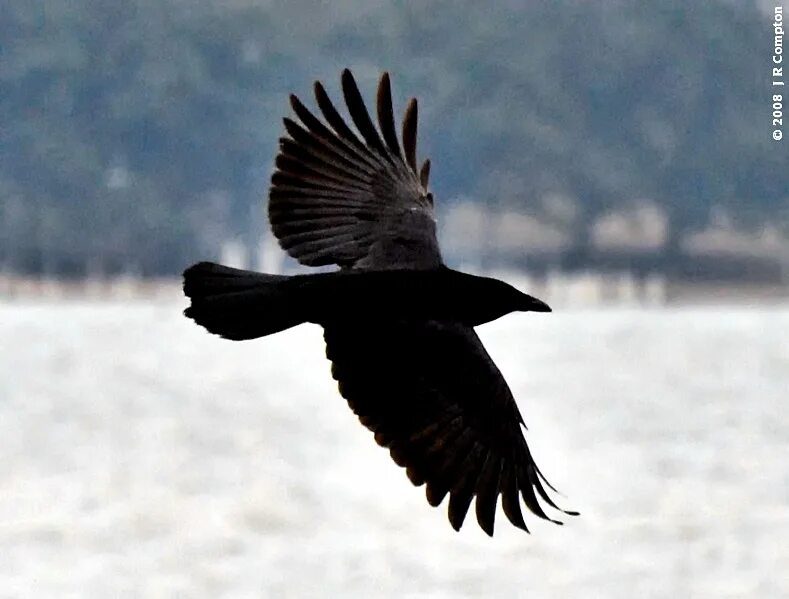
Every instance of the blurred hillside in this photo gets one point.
(138, 136)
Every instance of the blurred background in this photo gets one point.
(613, 158)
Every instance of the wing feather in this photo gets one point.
(530, 498)
(359, 114)
(350, 143)
(463, 490)
(336, 198)
(314, 172)
(487, 493)
(451, 422)
(386, 115)
(336, 121)
(424, 173)
(409, 135)
(450, 459)
(336, 149)
(310, 150)
(510, 503)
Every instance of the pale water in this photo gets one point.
(142, 457)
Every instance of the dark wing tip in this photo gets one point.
(336, 122)
(358, 111)
(510, 502)
(486, 521)
(319, 90)
(435, 493)
(415, 475)
(463, 490)
(409, 133)
(386, 114)
(487, 492)
(458, 508)
(424, 173)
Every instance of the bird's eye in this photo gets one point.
(429, 198)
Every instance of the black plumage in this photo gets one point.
(398, 324)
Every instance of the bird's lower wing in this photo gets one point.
(433, 396)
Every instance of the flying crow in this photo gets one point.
(398, 323)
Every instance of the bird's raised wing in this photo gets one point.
(336, 199)
(433, 396)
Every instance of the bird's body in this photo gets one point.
(398, 323)
(348, 296)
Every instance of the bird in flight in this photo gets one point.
(398, 323)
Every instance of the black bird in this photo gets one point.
(398, 324)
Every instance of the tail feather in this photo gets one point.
(239, 304)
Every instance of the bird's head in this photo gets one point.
(497, 298)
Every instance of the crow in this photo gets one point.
(398, 323)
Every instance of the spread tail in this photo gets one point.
(239, 304)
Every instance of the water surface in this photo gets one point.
(142, 457)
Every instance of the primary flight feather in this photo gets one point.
(398, 324)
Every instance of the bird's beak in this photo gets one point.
(532, 304)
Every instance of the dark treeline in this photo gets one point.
(138, 135)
